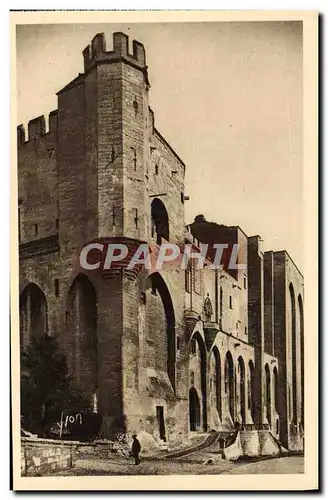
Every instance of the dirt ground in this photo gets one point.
(282, 465)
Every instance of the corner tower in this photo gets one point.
(102, 155)
(116, 84)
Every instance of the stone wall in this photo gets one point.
(43, 456)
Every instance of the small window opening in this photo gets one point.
(136, 218)
(113, 215)
(56, 287)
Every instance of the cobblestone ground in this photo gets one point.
(284, 465)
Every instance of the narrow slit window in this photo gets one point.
(136, 108)
(56, 287)
(136, 218)
(134, 158)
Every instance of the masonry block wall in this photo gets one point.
(289, 341)
(164, 350)
(256, 318)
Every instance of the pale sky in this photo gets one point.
(226, 96)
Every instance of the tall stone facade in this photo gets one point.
(168, 351)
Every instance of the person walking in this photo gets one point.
(136, 448)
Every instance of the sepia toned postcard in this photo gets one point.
(164, 276)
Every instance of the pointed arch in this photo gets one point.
(268, 393)
(293, 352)
(194, 410)
(251, 389)
(33, 313)
(242, 388)
(301, 323)
(202, 370)
(156, 283)
(217, 386)
(275, 389)
(81, 338)
(229, 383)
(160, 221)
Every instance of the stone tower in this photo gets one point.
(119, 179)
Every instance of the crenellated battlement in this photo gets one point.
(96, 52)
(37, 128)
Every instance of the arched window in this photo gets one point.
(160, 221)
(33, 312)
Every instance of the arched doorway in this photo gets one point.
(161, 321)
(242, 387)
(268, 393)
(293, 353)
(33, 313)
(160, 221)
(251, 383)
(81, 339)
(229, 383)
(197, 371)
(194, 410)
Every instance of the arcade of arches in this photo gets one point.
(221, 389)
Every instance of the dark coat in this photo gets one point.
(136, 447)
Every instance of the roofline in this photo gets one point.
(286, 253)
(240, 229)
(222, 225)
(156, 132)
